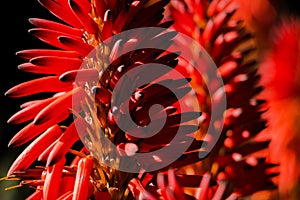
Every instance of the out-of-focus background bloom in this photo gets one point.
(263, 17)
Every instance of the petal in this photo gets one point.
(28, 156)
(43, 157)
(61, 11)
(51, 70)
(83, 17)
(55, 26)
(202, 192)
(62, 103)
(89, 75)
(32, 53)
(138, 191)
(82, 182)
(107, 26)
(75, 44)
(53, 180)
(26, 134)
(48, 36)
(102, 94)
(39, 85)
(68, 181)
(30, 112)
(101, 8)
(66, 196)
(55, 60)
(67, 139)
(174, 185)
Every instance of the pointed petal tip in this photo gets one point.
(8, 93)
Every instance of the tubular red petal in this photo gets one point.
(66, 196)
(47, 24)
(138, 190)
(107, 26)
(40, 85)
(82, 182)
(111, 4)
(53, 180)
(30, 103)
(65, 142)
(120, 22)
(174, 186)
(51, 65)
(55, 60)
(85, 5)
(48, 36)
(68, 181)
(101, 8)
(75, 44)
(115, 51)
(202, 193)
(32, 53)
(102, 94)
(80, 75)
(161, 183)
(213, 26)
(212, 8)
(117, 75)
(62, 12)
(26, 134)
(61, 104)
(28, 156)
(227, 68)
(135, 6)
(83, 17)
(30, 112)
(184, 23)
(50, 70)
(44, 156)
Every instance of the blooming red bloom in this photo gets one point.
(280, 76)
(87, 65)
(235, 158)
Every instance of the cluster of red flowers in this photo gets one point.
(67, 131)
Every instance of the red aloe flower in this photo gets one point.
(79, 90)
(238, 156)
(95, 89)
(280, 76)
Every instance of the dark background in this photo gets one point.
(15, 37)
